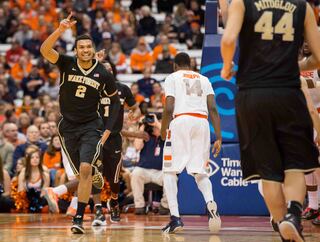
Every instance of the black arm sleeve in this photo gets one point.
(113, 116)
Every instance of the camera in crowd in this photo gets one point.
(148, 120)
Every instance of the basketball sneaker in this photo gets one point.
(99, 218)
(77, 227)
(290, 228)
(316, 221)
(52, 200)
(309, 213)
(214, 217)
(173, 226)
(114, 209)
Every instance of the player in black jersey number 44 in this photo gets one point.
(274, 125)
(83, 79)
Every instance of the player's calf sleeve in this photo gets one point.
(171, 189)
(205, 186)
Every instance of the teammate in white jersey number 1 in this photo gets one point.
(185, 126)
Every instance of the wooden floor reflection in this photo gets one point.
(56, 228)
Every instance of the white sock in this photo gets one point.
(313, 200)
(205, 186)
(74, 203)
(60, 190)
(171, 189)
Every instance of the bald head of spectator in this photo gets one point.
(10, 132)
(33, 134)
(145, 11)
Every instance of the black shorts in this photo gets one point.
(275, 133)
(81, 142)
(111, 158)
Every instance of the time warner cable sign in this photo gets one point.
(231, 173)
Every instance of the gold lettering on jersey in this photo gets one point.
(84, 80)
(278, 4)
(105, 101)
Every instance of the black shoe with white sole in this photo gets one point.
(291, 229)
(173, 226)
(77, 227)
(99, 218)
(114, 208)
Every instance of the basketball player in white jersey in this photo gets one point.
(189, 100)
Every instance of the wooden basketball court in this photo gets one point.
(56, 228)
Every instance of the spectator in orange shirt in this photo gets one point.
(21, 70)
(29, 16)
(158, 95)
(52, 158)
(118, 58)
(25, 107)
(158, 49)
(135, 92)
(140, 57)
(107, 4)
(50, 15)
(21, 3)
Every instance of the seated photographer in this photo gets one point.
(149, 166)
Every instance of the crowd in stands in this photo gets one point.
(134, 40)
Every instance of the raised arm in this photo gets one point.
(312, 37)
(46, 48)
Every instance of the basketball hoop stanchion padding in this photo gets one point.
(233, 196)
